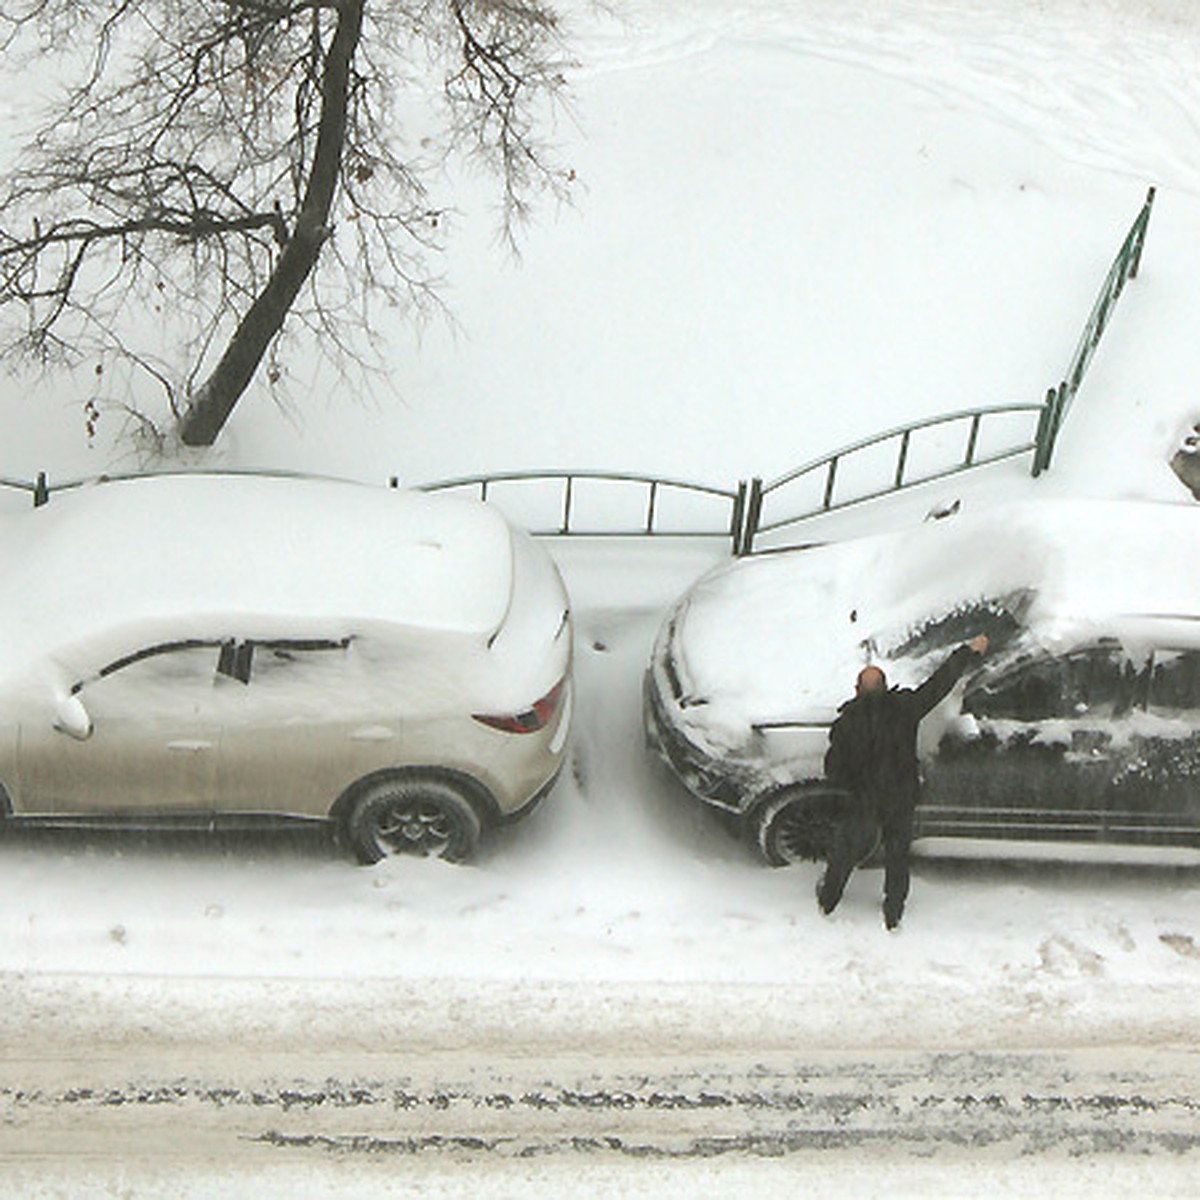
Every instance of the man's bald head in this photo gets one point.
(871, 679)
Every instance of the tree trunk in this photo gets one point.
(210, 406)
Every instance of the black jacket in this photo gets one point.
(873, 743)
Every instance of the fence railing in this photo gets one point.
(730, 502)
(738, 513)
(1058, 399)
(37, 488)
(1050, 416)
(828, 471)
(41, 489)
(726, 506)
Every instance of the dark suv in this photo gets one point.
(1102, 743)
(1081, 725)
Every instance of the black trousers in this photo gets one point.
(854, 836)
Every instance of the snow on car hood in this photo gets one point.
(781, 637)
(190, 552)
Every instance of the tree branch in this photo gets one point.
(186, 227)
(193, 172)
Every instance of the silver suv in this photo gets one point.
(215, 650)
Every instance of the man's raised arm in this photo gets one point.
(938, 685)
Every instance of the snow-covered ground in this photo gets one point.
(795, 223)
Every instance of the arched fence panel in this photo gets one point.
(945, 445)
(905, 457)
(589, 503)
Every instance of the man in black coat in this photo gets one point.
(873, 755)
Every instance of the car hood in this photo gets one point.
(780, 637)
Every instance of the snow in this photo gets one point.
(192, 547)
(796, 223)
(782, 637)
(110, 569)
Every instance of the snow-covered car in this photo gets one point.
(1082, 725)
(215, 650)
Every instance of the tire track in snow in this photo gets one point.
(1100, 1101)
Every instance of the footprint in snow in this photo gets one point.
(1061, 956)
(1182, 943)
(1121, 935)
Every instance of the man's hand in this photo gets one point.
(979, 643)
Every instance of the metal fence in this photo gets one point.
(1058, 399)
(41, 489)
(829, 471)
(1040, 440)
(37, 488)
(729, 503)
(741, 513)
(1037, 427)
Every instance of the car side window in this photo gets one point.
(240, 658)
(298, 664)
(1099, 681)
(226, 681)
(1175, 681)
(1105, 682)
(1029, 693)
(153, 680)
(292, 679)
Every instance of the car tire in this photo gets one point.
(419, 815)
(796, 825)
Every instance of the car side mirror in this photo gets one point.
(71, 718)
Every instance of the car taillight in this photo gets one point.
(536, 717)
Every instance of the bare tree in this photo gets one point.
(206, 155)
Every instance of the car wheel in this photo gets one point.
(423, 816)
(796, 825)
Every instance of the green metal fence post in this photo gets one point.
(830, 480)
(901, 460)
(972, 441)
(566, 513)
(650, 507)
(753, 514)
(1140, 240)
(1043, 438)
(1056, 402)
(737, 519)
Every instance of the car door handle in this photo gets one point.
(185, 746)
(373, 733)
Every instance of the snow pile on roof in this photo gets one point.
(192, 555)
(783, 636)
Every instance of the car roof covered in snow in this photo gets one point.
(253, 555)
(782, 636)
